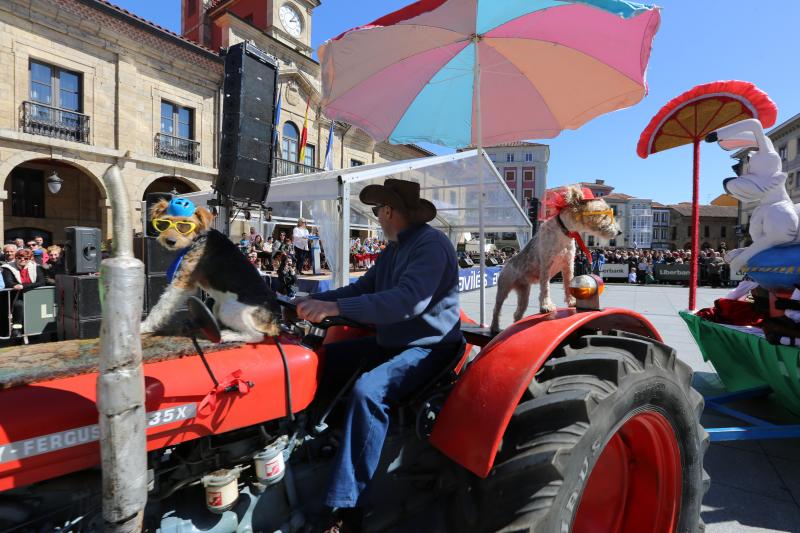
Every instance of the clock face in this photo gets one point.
(291, 20)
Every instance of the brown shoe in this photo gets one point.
(338, 527)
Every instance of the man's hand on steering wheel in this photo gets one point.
(316, 311)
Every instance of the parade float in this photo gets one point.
(749, 342)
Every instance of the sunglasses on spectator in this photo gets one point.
(183, 227)
(377, 208)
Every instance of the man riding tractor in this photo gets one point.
(411, 296)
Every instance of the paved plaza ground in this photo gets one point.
(755, 485)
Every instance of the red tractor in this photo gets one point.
(570, 421)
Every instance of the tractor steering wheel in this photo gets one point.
(325, 323)
(331, 321)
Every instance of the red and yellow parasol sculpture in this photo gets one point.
(688, 118)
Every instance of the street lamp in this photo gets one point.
(54, 183)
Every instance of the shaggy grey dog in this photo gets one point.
(551, 250)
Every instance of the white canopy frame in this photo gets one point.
(455, 183)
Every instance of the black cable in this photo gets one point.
(288, 379)
(203, 358)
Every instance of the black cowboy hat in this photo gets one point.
(402, 195)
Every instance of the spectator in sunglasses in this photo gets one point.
(22, 275)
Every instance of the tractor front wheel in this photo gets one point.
(608, 440)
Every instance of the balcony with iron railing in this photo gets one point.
(177, 148)
(284, 167)
(49, 121)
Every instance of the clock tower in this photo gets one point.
(210, 22)
(290, 21)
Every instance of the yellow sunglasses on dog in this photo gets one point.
(184, 227)
(604, 212)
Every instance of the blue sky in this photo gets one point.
(699, 41)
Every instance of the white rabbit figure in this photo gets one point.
(775, 221)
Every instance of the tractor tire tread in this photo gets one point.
(567, 392)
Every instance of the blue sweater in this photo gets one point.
(410, 294)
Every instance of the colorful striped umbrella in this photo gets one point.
(481, 72)
(543, 66)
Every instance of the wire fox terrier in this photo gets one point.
(209, 260)
(552, 249)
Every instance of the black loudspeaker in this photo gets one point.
(78, 328)
(155, 257)
(79, 311)
(491, 262)
(78, 296)
(533, 214)
(248, 114)
(151, 199)
(465, 262)
(82, 250)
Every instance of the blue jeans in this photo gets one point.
(396, 373)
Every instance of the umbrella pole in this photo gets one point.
(476, 91)
(695, 227)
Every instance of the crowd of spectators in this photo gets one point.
(281, 254)
(268, 254)
(713, 270)
(24, 267)
(363, 254)
(493, 257)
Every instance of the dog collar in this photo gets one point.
(574, 235)
(562, 225)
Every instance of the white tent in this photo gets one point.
(451, 182)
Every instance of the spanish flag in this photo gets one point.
(304, 139)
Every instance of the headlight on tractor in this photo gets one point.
(587, 290)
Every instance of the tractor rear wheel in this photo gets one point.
(608, 440)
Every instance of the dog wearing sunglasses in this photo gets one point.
(208, 260)
(552, 249)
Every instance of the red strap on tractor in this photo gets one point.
(231, 383)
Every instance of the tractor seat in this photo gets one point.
(447, 375)
(477, 335)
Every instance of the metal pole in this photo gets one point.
(476, 90)
(343, 272)
(120, 385)
(695, 227)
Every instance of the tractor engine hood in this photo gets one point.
(48, 410)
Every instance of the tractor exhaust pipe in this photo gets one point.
(120, 385)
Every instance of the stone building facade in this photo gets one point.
(87, 85)
(661, 224)
(523, 166)
(717, 226)
(282, 28)
(599, 188)
(634, 217)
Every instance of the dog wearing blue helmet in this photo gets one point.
(208, 260)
